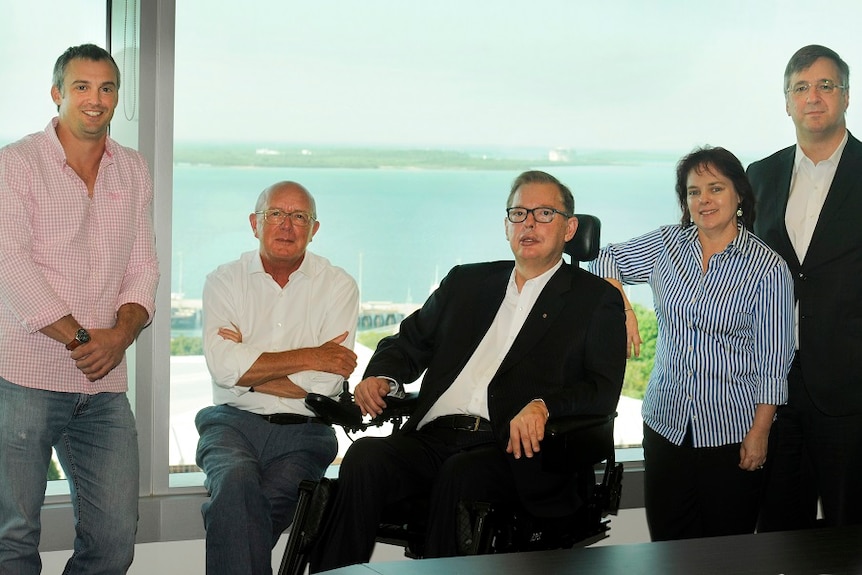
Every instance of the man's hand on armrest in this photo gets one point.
(370, 393)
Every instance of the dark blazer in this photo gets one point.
(570, 351)
(828, 284)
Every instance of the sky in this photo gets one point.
(664, 75)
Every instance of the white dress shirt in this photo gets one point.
(808, 189)
(319, 303)
(468, 394)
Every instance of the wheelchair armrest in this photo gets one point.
(579, 441)
(341, 412)
(397, 408)
(347, 414)
(578, 423)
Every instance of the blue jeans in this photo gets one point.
(253, 471)
(97, 445)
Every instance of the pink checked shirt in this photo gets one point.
(62, 252)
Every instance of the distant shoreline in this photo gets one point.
(248, 155)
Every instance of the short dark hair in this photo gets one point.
(86, 52)
(721, 160)
(807, 55)
(539, 177)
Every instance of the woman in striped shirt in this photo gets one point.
(724, 307)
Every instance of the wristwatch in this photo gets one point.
(81, 336)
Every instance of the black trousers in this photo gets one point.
(812, 457)
(448, 465)
(697, 492)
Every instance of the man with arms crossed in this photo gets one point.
(809, 197)
(78, 276)
(506, 345)
(278, 323)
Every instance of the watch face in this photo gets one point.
(83, 335)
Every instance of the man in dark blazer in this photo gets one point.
(809, 201)
(506, 346)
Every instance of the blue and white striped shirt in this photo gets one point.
(725, 337)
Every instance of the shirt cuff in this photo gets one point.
(395, 388)
(547, 413)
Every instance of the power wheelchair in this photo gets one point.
(581, 442)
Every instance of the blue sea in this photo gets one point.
(398, 231)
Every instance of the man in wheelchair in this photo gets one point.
(504, 347)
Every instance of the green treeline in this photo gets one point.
(638, 369)
(187, 345)
(356, 158)
(293, 156)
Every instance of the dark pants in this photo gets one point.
(449, 465)
(697, 492)
(811, 457)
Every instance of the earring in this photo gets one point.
(739, 212)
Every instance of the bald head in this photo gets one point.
(266, 195)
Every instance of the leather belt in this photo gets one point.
(460, 423)
(291, 419)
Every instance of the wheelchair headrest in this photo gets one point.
(584, 246)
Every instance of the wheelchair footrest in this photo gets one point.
(502, 530)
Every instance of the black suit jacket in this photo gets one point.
(570, 351)
(828, 284)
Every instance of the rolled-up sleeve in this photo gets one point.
(340, 316)
(320, 303)
(630, 262)
(226, 360)
(773, 335)
(142, 273)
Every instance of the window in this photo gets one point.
(408, 122)
(28, 61)
(388, 96)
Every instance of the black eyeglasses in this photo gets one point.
(277, 217)
(542, 215)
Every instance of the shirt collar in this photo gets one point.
(742, 240)
(833, 159)
(56, 146)
(60, 153)
(308, 266)
(540, 281)
(739, 243)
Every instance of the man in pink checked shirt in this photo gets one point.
(78, 275)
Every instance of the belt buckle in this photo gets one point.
(476, 424)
